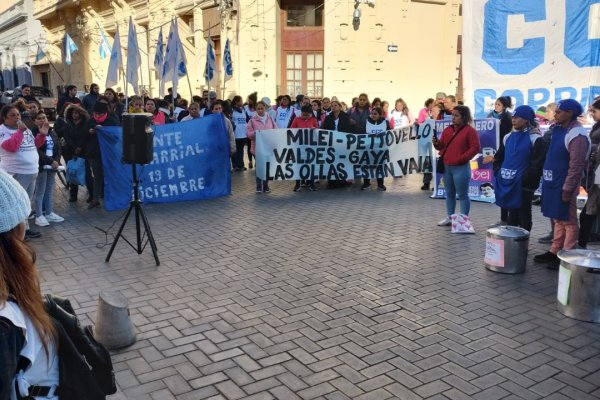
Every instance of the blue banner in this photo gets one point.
(191, 162)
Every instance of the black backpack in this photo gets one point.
(95, 355)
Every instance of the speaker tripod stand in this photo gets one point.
(136, 205)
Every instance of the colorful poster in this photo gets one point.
(482, 182)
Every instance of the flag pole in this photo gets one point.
(189, 84)
(206, 66)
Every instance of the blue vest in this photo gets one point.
(556, 168)
(517, 154)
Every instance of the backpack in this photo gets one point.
(95, 355)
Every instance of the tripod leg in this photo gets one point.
(138, 231)
(150, 236)
(119, 233)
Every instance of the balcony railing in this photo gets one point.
(12, 15)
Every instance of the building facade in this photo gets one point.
(19, 33)
(386, 48)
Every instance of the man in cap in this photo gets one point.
(565, 163)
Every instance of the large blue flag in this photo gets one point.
(191, 162)
(227, 63)
(70, 48)
(210, 70)
(159, 57)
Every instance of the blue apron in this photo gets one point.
(556, 168)
(517, 153)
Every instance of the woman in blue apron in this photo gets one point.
(565, 162)
(518, 167)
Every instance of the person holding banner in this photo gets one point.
(306, 120)
(518, 165)
(91, 148)
(217, 107)
(376, 124)
(240, 119)
(401, 117)
(359, 114)
(260, 121)
(158, 117)
(565, 162)
(284, 112)
(338, 121)
(115, 106)
(457, 146)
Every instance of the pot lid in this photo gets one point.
(581, 257)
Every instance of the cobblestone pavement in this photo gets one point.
(336, 294)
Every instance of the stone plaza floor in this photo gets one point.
(335, 294)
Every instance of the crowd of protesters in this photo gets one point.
(562, 158)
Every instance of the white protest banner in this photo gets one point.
(535, 51)
(319, 154)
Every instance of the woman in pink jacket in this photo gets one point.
(260, 121)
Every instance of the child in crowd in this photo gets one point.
(261, 121)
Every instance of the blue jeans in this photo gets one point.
(44, 192)
(28, 183)
(456, 182)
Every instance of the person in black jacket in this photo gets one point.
(69, 97)
(518, 166)
(501, 106)
(339, 121)
(91, 148)
(70, 128)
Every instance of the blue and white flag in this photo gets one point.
(70, 48)
(210, 70)
(116, 61)
(40, 54)
(182, 62)
(227, 63)
(172, 60)
(159, 57)
(105, 49)
(133, 58)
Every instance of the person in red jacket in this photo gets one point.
(458, 144)
(306, 120)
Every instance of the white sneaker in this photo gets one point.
(41, 221)
(52, 217)
(445, 222)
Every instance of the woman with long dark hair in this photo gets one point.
(458, 144)
(26, 330)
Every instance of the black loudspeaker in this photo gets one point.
(138, 144)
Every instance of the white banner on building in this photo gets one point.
(536, 51)
(319, 154)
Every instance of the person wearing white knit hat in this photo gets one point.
(18, 153)
(26, 329)
(14, 204)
